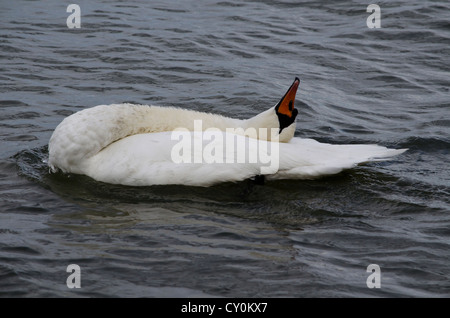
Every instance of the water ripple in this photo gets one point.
(284, 239)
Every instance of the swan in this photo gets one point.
(89, 131)
(139, 145)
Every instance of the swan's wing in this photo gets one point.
(179, 157)
(206, 158)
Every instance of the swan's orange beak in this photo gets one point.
(286, 104)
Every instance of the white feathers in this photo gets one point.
(136, 145)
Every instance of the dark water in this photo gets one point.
(296, 239)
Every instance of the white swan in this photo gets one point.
(147, 145)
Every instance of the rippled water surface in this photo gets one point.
(283, 239)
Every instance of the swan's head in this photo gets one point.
(287, 113)
(281, 116)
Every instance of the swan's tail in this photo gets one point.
(383, 153)
(307, 158)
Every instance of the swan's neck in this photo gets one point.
(263, 126)
(269, 120)
(87, 132)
